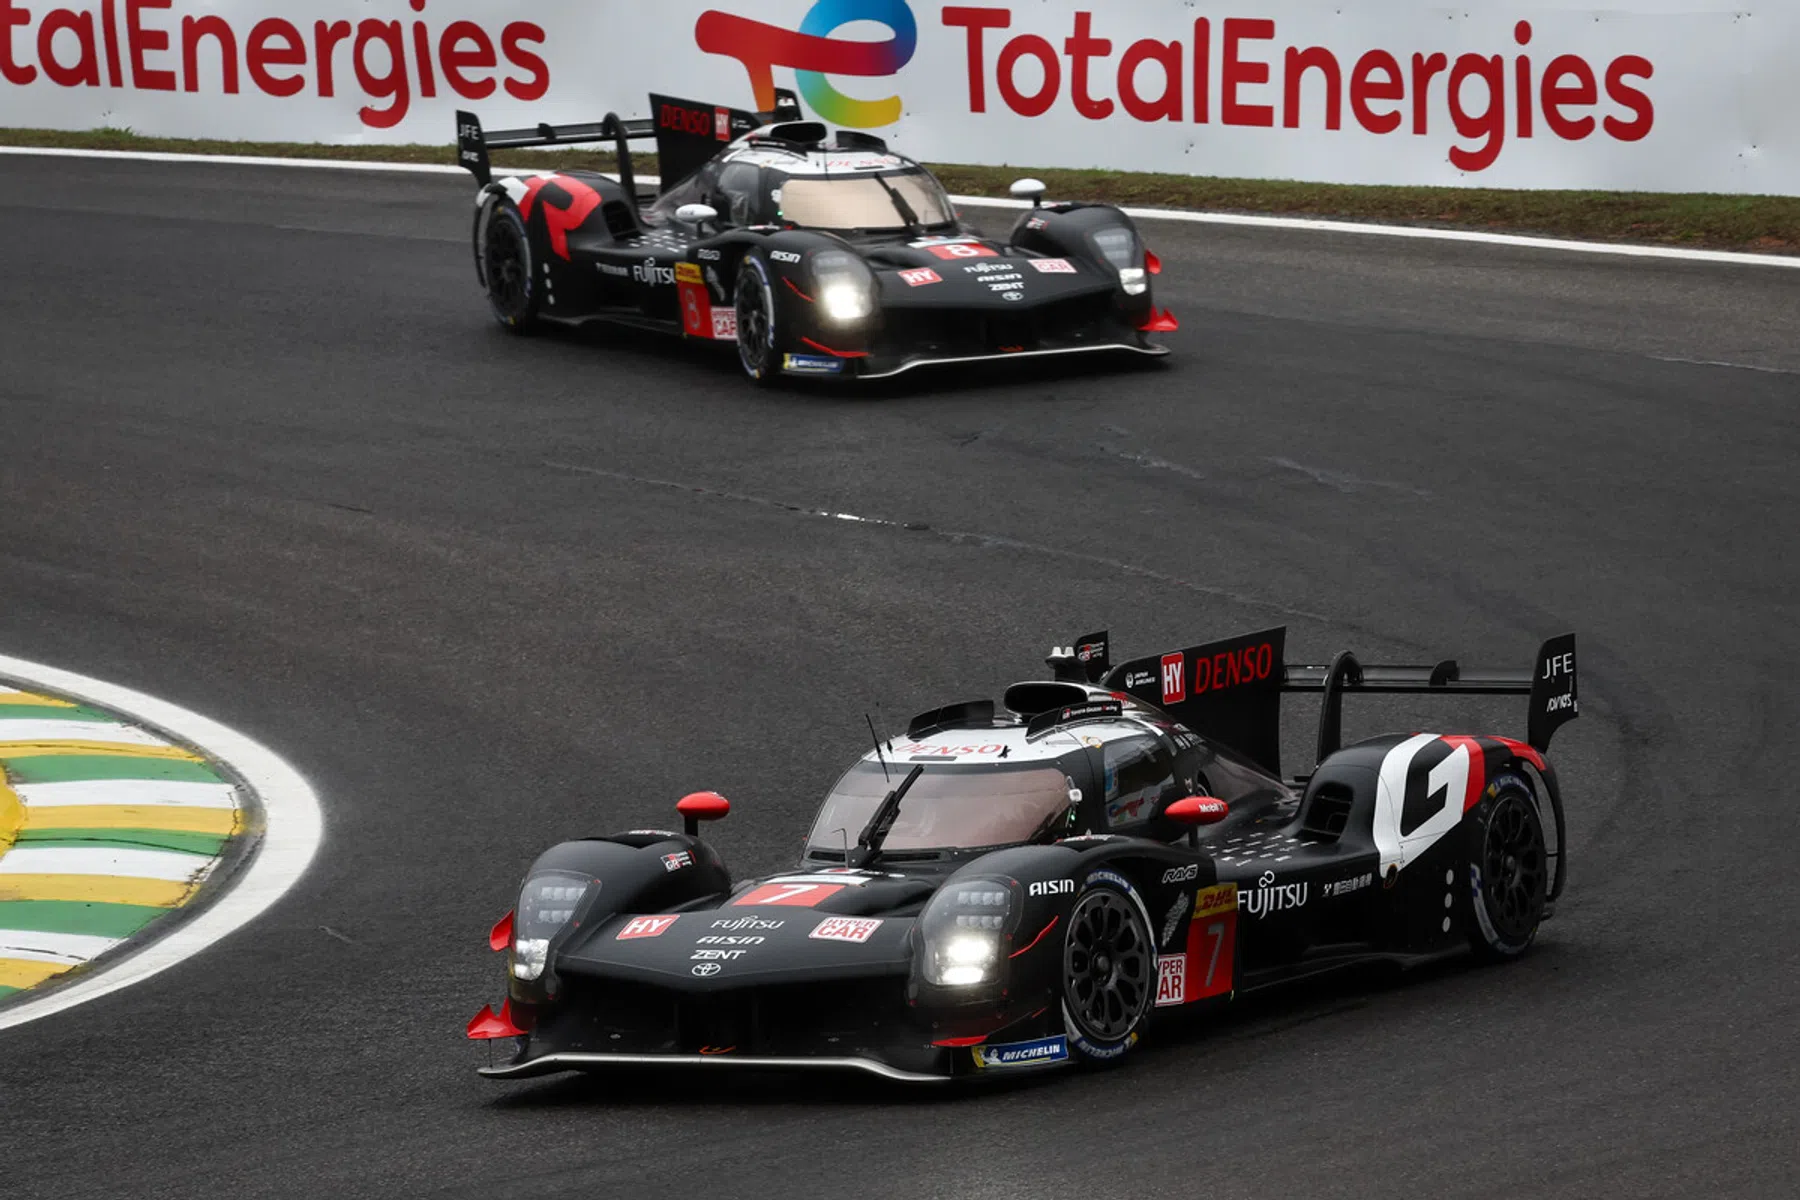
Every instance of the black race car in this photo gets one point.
(1033, 885)
(817, 254)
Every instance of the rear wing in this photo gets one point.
(1230, 691)
(687, 134)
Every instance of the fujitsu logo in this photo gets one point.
(1268, 896)
(736, 923)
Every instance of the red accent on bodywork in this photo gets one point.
(1198, 810)
(500, 936)
(795, 288)
(1160, 322)
(559, 219)
(703, 806)
(1034, 941)
(1152, 263)
(834, 353)
(488, 1024)
(963, 1041)
(1524, 750)
(1477, 768)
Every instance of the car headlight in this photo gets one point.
(845, 285)
(547, 902)
(1119, 246)
(967, 928)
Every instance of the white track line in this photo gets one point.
(294, 829)
(32, 946)
(145, 793)
(1308, 224)
(175, 865)
(26, 730)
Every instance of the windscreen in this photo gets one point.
(862, 201)
(947, 808)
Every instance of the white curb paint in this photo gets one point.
(293, 830)
(1313, 225)
(138, 793)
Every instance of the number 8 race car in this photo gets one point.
(815, 254)
(1034, 885)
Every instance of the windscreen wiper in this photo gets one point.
(868, 842)
(913, 224)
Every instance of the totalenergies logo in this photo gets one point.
(814, 53)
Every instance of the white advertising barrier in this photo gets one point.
(1664, 95)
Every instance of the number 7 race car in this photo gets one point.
(1033, 885)
(814, 254)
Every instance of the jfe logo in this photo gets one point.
(813, 53)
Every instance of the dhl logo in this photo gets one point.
(688, 273)
(1214, 900)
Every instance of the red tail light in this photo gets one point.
(1152, 263)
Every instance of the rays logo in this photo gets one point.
(814, 53)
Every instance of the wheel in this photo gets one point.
(1509, 869)
(755, 298)
(503, 259)
(1109, 968)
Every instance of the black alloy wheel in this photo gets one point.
(1510, 894)
(1109, 970)
(755, 301)
(506, 268)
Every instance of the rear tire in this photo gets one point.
(1109, 969)
(503, 259)
(756, 332)
(1509, 869)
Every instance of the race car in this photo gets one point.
(814, 253)
(1037, 884)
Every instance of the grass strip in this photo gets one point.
(208, 844)
(1696, 219)
(75, 916)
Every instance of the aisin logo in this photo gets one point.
(814, 53)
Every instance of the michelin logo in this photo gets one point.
(1023, 1054)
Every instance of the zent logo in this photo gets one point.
(641, 927)
(814, 53)
(1174, 689)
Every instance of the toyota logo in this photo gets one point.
(706, 969)
(1011, 296)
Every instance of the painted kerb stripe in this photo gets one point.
(119, 811)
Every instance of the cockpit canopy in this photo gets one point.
(950, 807)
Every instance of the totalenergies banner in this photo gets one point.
(1667, 95)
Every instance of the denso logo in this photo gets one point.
(814, 53)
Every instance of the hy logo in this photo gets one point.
(814, 53)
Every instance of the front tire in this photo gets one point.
(1109, 969)
(756, 321)
(503, 258)
(1509, 871)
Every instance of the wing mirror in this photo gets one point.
(696, 807)
(697, 214)
(1028, 189)
(1195, 811)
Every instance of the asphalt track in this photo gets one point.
(262, 453)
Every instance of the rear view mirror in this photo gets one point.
(1028, 189)
(697, 214)
(696, 807)
(1198, 810)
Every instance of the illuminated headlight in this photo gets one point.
(965, 930)
(547, 902)
(1133, 281)
(846, 286)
